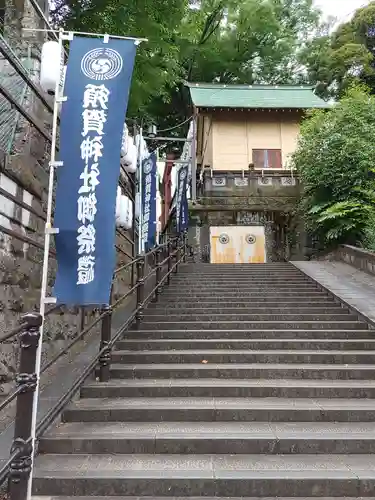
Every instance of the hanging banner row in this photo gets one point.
(97, 85)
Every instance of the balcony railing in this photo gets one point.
(261, 181)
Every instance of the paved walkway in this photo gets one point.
(356, 287)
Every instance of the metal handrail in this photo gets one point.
(18, 329)
(141, 302)
(10, 398)
(4, 471)
(64, 400)
(30, 241)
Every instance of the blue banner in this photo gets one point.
(149, 177)
(97, 87)
(182, 210)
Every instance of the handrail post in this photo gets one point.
(26, 379)
(106, 334)
(185, 236)
(82, 319)
(140, 291)
(158, 273)
(169, 250)
(177, 254)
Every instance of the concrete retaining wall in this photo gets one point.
(356, 257)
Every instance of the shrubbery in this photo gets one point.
(336, 161)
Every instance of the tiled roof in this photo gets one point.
(254, 96)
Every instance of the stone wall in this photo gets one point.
(280, 245)
(356, 257)
(258, 198)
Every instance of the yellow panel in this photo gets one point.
(289, 138)
(235, 134)
(237, 249)
(229, 144)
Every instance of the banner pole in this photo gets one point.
(47, 237)
(86, 33)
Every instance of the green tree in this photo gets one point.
(338, 60)
(157, 64)
(335, 158)
(229, 41)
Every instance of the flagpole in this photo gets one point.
(47, 237)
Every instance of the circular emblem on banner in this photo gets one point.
(183, 174)
(251, 239)
(101, 64)
(147, 167)
(224, 239)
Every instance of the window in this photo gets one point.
(267, 158)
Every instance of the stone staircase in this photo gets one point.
(244, 381)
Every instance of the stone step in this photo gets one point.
(231, 273)
(248, 334)
(245, 269)
(245, 290)
(261, 283)
(225, 388)
(254, 325)
(210, 437)
(205, 475)
(225, 317)
(273, 295)
(249, 310)
(257, 344)
(243, 274)
(206, 267)
(220, 410)
(244, 370)
(244, 356)
(34, 497)
(243, 280)
(264, 289)
(290, 302)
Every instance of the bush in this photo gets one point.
(335, 157)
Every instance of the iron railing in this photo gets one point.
(153, 272)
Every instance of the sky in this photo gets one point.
(342, 9)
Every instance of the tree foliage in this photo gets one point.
(228, 41)
(157, 64)
(337, 60)
(335, 158)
